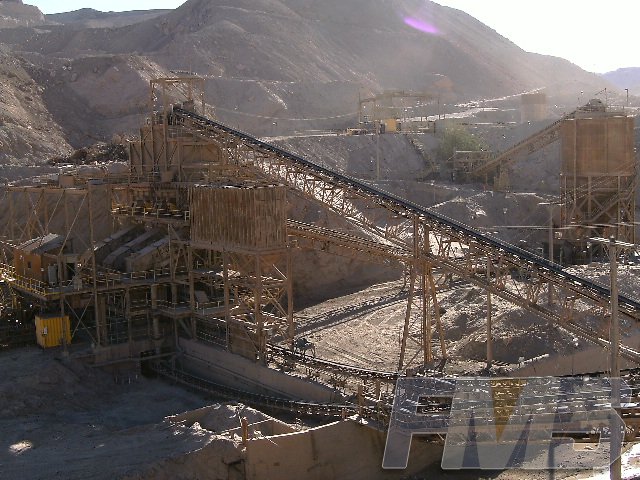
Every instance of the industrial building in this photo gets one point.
(533, 107)
(182, 264)
(598, 174)
(394, 111)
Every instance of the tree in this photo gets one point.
(458, 138)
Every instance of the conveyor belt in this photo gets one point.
(347, 241)
(334, 367)
(270, 402)
(406, 208)
(530, 144)
(380, 411)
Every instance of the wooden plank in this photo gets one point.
(247, 217)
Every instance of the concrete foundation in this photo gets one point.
(340, 450)
(238, 372)
(590, 360)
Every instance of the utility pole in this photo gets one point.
(627, 104)
(489, 313)
(377, 127)
(614, 336)
(550, 288)
(615, 471)
(551, 238)
(615, 325)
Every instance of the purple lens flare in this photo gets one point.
(421, 25)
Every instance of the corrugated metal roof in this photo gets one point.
(41, 244)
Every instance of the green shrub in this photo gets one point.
(458, 138)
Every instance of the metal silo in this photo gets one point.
(598, 176)
(533, 107)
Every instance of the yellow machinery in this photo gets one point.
(53, 331)
(391, 125)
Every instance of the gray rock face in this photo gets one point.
(13, 13)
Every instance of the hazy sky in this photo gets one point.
(597, 35)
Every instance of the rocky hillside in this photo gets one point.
(27, 129)
(90, 18)
(13, 13)
(273, 66)
(625, 78)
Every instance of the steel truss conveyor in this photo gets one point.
(529, 145)
(580, 306)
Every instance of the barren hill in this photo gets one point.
(277, 66)
(625, 78)
(13, 13)
(27, 130)
(90, 18)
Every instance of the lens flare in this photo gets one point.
(421, 25)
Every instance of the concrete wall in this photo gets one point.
(590, 360)
(341, 450)
(269, 426)
(114, 353)
(237, 372)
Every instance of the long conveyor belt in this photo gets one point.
(531, 144)
(268, 401)
(403, 207)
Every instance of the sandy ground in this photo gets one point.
(365, 329)
(61, 419)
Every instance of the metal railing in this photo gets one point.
(38, 287)
(172, 306)
(106, 277)
(151, 212)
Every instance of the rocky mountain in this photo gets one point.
(27, 129)
(275, 66)
(625, 78)
(90, 18)
(13, 13)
